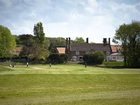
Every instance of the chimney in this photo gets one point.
(109, 41)
(67, 44)
(104, 41)
(87, 40)
(66, 41)
(69, 40)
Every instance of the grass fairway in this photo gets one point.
(68, 85)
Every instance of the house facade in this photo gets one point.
(115, 57)
(116, 48)
(116, 53)
(77, 51)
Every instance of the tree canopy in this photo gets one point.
(7, 42)
(39, 33)
(25, 39)
(129, 36)
(79, 40)
(94, 58)
(55, 42)
(39, 48)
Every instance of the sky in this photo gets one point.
(95, 19)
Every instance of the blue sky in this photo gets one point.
(95, 19)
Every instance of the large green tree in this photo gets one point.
(7, 42)
(129, 36)
(26, 41)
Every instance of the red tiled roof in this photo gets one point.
(116, 48)
(61, 50)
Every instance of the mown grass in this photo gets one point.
(66, 69)
(68, 85)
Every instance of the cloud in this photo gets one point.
(92, 3)
(6, 3)
(69, 18)
(86, 24)
(101, 20)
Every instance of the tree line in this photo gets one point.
(39, 47)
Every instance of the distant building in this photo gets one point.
(77, 51)
(116, 53)
(115, 57)
(116, 48)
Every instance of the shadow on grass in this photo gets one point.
(116, 67)
(113, 67)
(2, 68)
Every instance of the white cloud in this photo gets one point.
(92, 25)
(86, 25)
(92, 3)
(95, 28)
(70, 18)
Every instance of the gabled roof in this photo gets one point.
(116, 48)
(80, 47)
(61, 50)
(90, 47)
(100, 47)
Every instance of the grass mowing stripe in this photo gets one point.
(65, 69)
(64, 85)
(74, 97)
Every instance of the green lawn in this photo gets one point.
(69, 84)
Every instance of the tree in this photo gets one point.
(54, 42)
(39, 34)
(39, 48)
(7, 42)
(94, 58)
(79, 40)
(57, 58)
(25, 39)
(52, 48)
(129, 36)
(60, 41)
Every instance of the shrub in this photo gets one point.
(57, 58)
(63, 58)
(94, 58)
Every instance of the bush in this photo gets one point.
(94, 58)
(57, 58)
(63, 58)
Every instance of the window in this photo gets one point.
(114, 58)
(80, 58)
